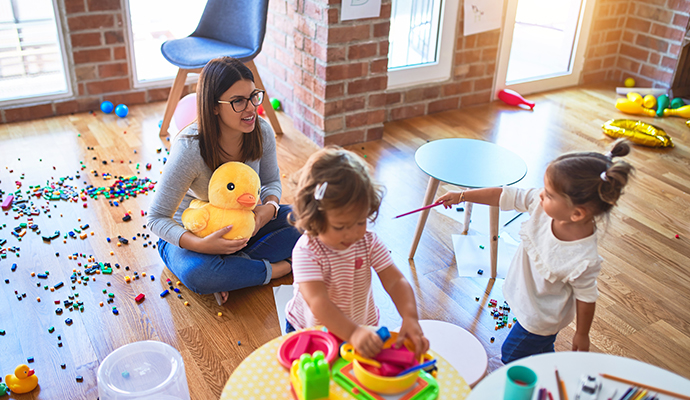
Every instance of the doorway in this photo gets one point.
(543, 44)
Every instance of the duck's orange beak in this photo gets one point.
(31, 372)
(247, 200)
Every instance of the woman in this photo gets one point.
(227, 129)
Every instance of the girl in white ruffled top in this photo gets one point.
(553, 276)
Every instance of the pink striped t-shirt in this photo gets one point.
(346, 274)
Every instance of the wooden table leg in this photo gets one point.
(431, 189)
(468, 217)
(493, 222)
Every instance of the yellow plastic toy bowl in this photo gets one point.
(386, 384)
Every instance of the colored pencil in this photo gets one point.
(648, 387)
(438, 203)
(512, 219)
(561, 387)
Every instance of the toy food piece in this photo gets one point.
(23, 380)
(637, 132)
(630, 107)
(233, 192)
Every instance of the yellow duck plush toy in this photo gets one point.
(23, 380)
(233, 192)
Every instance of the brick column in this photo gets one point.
(340, 73)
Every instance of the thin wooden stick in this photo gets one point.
(650, 388)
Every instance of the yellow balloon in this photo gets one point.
(649, 101)
(637, 132)
(630, 107)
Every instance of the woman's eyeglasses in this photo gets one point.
(240, 104)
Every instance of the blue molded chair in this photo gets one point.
(233, 28)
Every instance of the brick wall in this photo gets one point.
(636, 38)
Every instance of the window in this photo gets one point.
(32, 59)
(151, 23)
(421, 41)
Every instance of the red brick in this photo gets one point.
(365, 50)
(334, 124)
(303, 95)
(490, 68)
(489, 54)
(337, 54)
(654, 13)
(103, 5)
(379, 66)
(119, 53)
(128, 98)
(654, 58)
(91, 21)
(321, 34)
(415, 95)
(92, 39)
(114, 37)
(346, 71)
(91, 56)
(108, 86)
(679, 5)
(605, 24)
(334, 90)
(475, 98)
(451, 103)
(382, 29)
(112, 70)
(320, 52)
(393, 98)
(374, 134)
(669, 62)
(66, 107)
(680, 20)
(628, 37)
(592, 64)
(483, 84)
(385, 11)
(634, 52)
(614, 36)
(652, 43)
(74, 6)
(345, 138)
(308, 63)
(383, 48)
(456, 88)
(378, 100)
(488, 39)
(299, 40)
(407, 112)
(305, 26)
(470, 42)
(365, 118)
(334, 107)
(637, 24)
(345, 34)
(332, 16)
(594, 77)
(367, 85)
(158, 94)
(28, 113)
(476, 70)
(656, 74)
(665, 32)
(468, 56)
(313, 11)
(594, 39)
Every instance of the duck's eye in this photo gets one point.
(231, 186)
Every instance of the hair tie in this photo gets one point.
(320, 191)
(608, 155)
(603, 176)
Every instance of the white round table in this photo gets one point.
(459, 347)
(572, 365)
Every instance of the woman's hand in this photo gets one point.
(215, 243)
(366, 342)
(451, 198)
(411, 330)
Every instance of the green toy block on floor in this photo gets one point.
(315, 376)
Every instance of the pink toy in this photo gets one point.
(513, 98)
(438, 203)
(185, 112)
(401, 357)
(7, 202)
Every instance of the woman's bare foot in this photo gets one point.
(280, 269)
(221, 297)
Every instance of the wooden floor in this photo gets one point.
(644, 285)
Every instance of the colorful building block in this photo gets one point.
(311, 377)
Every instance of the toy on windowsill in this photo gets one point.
(23, 380)
(513, 98)
(310, 377)
(233, 192)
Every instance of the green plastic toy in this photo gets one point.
(3, 389)
(275, 103)
(677, 103)
(314, 375)
(661, 104)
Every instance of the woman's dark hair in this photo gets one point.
(592, 179)
(215, 79)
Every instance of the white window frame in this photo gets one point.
(136, 83)
(65, 66)
(440, 70)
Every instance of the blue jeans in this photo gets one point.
(251, 266)
(288, 326)
(521, 343)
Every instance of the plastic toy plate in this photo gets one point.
(317, 340)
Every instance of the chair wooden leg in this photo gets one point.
(431, 189)
(173, 99)
(493, 228)
(268, 108)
